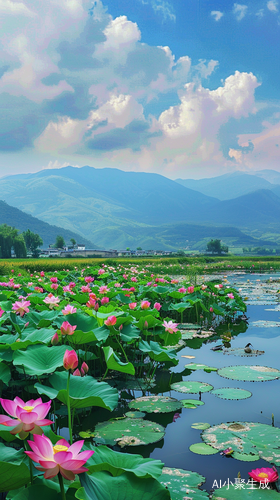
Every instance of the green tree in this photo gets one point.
(215, 246)
(139, 248)
(59, 242)
(33, 241)
(73, 241)
(10, 238)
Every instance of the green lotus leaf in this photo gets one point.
(13, 472)
(5, 373)
(197, 366)
(247, 493)
(200, 426)
(98, 334)
(247, 438)
(249, 373)
(103, 486)
(84, 391)
(43, 492)
(128, 432)
(203, 449)
(38, 360)
(191, 403)
(155, 404)
(129, 333)
(231, 393)
(83, 322)
(150, 320)
(158, 353)
(115, 462)
(114, 363)
(180, 307)
(191, 387)
(245, 458)
(135, 414)
(183, 484)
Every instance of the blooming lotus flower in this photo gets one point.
(67, 329)
(53, 279)
(132, 305)
(61, 457)
(69, 310)
(134, 279)
(203, 287)
(85, 289)
(21, 307)
(104, 300)
(101, 271)
(88, 279)
(157, 306)
(103, 289)
(110, 321)
(70, 360)
(230, 295)
(91, 303)
(264, 475)
(145, 304)
(170, 327)
(190, 289)
(51, 301)
(54, 286)
(182, 290)
(27, 417)
(1, 312)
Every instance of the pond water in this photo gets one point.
(173, 450)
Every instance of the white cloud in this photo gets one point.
(217, 14)
(260, 13)
(272, 5)
(119, 110)
(121, 32)
(15, 8)
(236, 154)
(239, 11)
(164, 8)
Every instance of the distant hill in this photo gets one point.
(228, 186)
(16, 218)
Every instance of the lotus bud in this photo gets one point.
(55, 339)
(77, 373)
(70, 360)
(84, 368)
(146, 325)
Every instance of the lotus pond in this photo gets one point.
(118, 383)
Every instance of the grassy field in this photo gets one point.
(161, 265)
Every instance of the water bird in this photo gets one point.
(217, 347)
(247, 348)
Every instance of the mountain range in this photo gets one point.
(116, 209)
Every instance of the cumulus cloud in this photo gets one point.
(272, 5)
(217, 14)
(15, 8)
(239, 11)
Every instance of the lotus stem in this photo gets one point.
(69, 410)
(30, 462)
(63, 496)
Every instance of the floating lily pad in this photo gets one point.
(200, 426)
(183, 484)
(245, 458)
(156, 404)
(265, 324)
(239, 351)
(199, 366)
(203, 449)
(247, 493)
(135, 414)
(191, 387)
(246, 438)
(231, 393)
(246, 373)
(128, 432)
(191, 403)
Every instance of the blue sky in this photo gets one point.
(185, 88)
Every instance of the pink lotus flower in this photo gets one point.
(132, 305)
(134, 279)
(27, 417)
(264, 475)
(103, 289)
(84, 368)
(54, 286)
(170, 327)
(89, 279)
(1, 312)
(174, 282)
(85, 289)
(21, 307)
(110, 321)
(125, 276)
(61, 457)
(70, 360)
(104, 300)
(117, 285)
(145, 304)
(203, 287)
(42, 273)
(101, 271)
(157, 306)
(72, 284)
(67, 329)
(91, 303)
(53, 280)
(77, 373)
(190, 289)
(182, 290)
(51, 301)
(211, 309)
(230, 295)
(69, 310)
(38, 289)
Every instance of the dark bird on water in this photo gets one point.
(247, 348)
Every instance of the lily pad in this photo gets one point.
(38, 360)
(191, 403)
(198, 366)
(245, 458)
(128, 432)
(200, 426)
(239, 351)
(231, 393)
(265, 324)
(252, 373)
(156, 404)
(183, 484)
(203, 449)
(247, 493)
(246, 438)
(135, 414)
(191, 387)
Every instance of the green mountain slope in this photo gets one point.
(16, 218)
